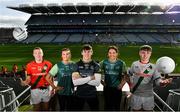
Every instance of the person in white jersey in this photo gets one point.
(142, 95)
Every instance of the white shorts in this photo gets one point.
(138, 102)
(40, 95)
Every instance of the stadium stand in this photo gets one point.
(113, 22)
(60, 38)
(46, 38)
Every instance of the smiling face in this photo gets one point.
(112, 54)
(38, 55)
(87, 54)
(66, 55)
(145, 55)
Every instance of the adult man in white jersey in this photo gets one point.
(144, 73)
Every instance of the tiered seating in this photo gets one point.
(147, 38)
(161, 38)
(89, 38)
(103, 38)
(133, 38)
(33, 38)
(75, 38)
(118, 38)
(61, 38)
(47, 38)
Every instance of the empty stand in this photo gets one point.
(61, 38)
(89, 38)
(75, 38)
(47, 38)
(33, 38)
(119, 38)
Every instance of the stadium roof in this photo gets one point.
(97, 8)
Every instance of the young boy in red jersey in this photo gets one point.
(36, 72)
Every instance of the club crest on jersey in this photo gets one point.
(39, 68)
(45, 67)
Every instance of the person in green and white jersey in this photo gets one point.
(63, 70)
(114, 71)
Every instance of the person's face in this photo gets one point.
(145, 55)
(112, 54)
(66, 55)
(87, 54)
(38, 55)
(15, 68)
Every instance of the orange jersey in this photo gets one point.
(34, 70)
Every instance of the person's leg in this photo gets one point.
(107, 99)
(136, 103)
(53, 102)
(79, 103)
(35, 99)
(148, 103)
(93, 103)
(117, 99)
(36, 107)
(70, 103)
(44, 106)
(45, 98)
(61, 102)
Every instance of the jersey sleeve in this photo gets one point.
(28, 69)
(124, 69)
(54, 70)
(97, 68)
(102, 70)
(131, 70)
(157, 77)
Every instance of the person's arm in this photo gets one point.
(159, 80)
(96, 81)
(26, 81)
(78, 80)
(51, 82)
(102, 73)
(124, 76)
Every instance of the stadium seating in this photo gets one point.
(46, 38)
(33, 38)
(60, 38)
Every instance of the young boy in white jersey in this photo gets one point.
(142, 95)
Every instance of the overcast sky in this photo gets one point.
(13, 18)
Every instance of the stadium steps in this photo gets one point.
(160, 38)
(118, 38)
(126, 38)
(156, 39)
(67, 40)
(54, 38)
(33, 38)
(40, 38)
(133, 38)
(141, 38)
(147, 38)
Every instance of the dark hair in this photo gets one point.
(113, 47)
(86, 47)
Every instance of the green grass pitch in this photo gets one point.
(20, 54)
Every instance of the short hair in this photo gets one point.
(113, 47)
(65, 49)
(38, 48)
(86, 47)
(145, 47)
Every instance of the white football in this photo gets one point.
(165, 65)
(19, 34)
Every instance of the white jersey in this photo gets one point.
(145, 88)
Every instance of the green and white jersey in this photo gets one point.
(145, 88)
(113, 72)
(64, 76)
